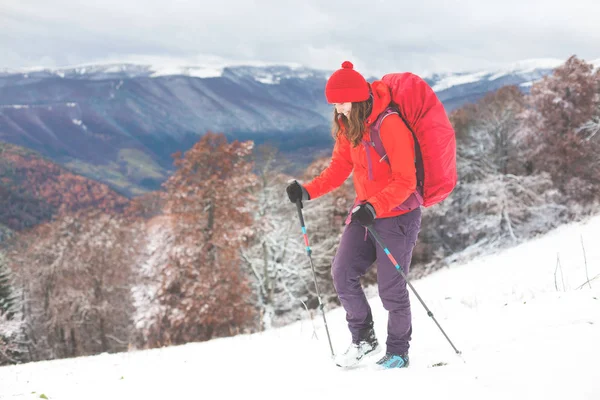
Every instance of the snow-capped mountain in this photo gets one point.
(271, 74)
(264, 73)
(120, 122)
(456, 89)
(527, 69)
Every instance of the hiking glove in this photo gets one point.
(296, 192)
(364, 213)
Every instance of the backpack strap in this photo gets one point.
(415, 199)
(375, 138)
(378, 144)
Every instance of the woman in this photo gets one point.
(382, 186)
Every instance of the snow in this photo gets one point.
(528, 66)
(273, 76)
(267, 79)
(522, 68)
(458, 79)
(15, 106)
(23, 106)
(198, 72)
(79, 123)
(207, 67)
(527, 329)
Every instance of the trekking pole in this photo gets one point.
(393, 260)
(309, 252)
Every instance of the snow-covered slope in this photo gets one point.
(527, 330)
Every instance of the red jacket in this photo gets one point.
(392, 183)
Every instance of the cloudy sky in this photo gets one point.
(377, 35)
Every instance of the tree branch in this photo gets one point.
(561, 273)
(585, 260)
(3, 354)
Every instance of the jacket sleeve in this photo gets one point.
(336, 173)
(399, 145)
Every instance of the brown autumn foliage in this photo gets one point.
(33, 190)
(561, 106)
(204, 291)
(146, 206)
(462, 119)
(76, 276)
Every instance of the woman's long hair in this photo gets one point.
(354, 125)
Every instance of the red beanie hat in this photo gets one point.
(346, 86)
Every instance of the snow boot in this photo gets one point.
(393, 361)
(357, 351)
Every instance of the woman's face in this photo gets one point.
(343, 108)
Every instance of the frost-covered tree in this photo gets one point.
(12, 340)
(562, 129)
(490, 144)
(75, 273)
(204, 290)
(277, 256)
(157, 242)
(496, 210)
(496, 201)
(7, 297)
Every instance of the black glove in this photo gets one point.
(364, 214)
(296, 192)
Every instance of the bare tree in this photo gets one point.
(562, 123)
(76, 279)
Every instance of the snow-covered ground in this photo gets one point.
(527, 330)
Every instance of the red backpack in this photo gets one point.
(435, 142)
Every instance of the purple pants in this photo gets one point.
(356, 253)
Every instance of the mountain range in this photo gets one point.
(120, 123)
